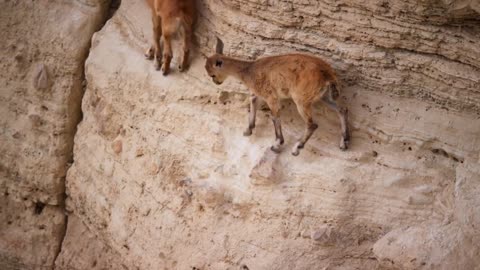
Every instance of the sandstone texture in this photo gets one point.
(82, 250)
(163, 178)
(42, 53)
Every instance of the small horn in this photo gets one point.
(219, 46)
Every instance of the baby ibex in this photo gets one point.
(303, 78)
(170, 17)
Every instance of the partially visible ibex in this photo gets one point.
(170, 17)
(303, 78)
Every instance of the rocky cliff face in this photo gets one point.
(163, 178)
(43, 49)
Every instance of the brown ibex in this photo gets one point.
(170, 17)
(303, 78)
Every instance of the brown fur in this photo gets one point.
(303, 78)
(170, 17)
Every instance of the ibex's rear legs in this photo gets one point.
(187, 38)
(306, 113)
(251, 115)
(275, 108)
(343, 116)
(154, 52)
(167, 48)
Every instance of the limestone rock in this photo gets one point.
(266, 169)
(324, 235)
(42, 53)
(30, 233)
(81, 249)
(410, 78)
(467, 202)
(428, 246)
(162, 177)
(40, 79)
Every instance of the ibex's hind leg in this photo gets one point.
(343, 116)
(251, 115)
(306, 113)
(275, 108)
(186, 38)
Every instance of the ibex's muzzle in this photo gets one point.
(214, 79)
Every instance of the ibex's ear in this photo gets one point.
(219, 47)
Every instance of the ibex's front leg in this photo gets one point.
(167, 49)
(187, 39)
(275, 108)
(305, 111)
(154, 52)
(251, 115)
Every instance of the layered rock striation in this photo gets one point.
(163, 177)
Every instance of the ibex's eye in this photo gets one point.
(213, 76)
(218, 63)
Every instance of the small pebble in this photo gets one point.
(139, 152)
(117, 146)
(153, 169)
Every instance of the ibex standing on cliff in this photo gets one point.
(170, 17)
(303, 78)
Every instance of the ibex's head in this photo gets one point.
(215, 64)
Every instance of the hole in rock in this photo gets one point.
(39, 208)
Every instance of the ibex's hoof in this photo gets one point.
(156, 65)
(149, 54)
(277, 146)
(247, 132)
(165, 71)
(182, 68)
(296, 149)
(344, 145)
(275, 149)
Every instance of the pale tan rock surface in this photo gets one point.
(164, 178)
(82, 250)
(42, 52)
